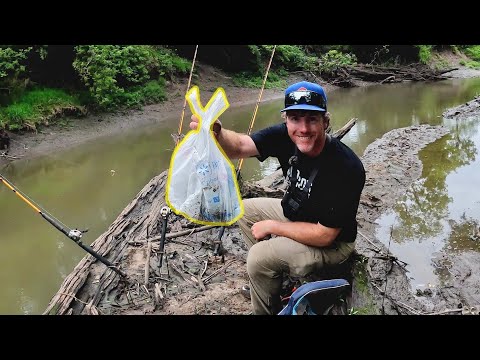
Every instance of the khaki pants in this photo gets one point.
(269, 260)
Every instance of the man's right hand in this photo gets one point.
(217, 126)
(194, 122)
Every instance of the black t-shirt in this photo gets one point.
(335, 193)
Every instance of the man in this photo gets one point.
(314, 225)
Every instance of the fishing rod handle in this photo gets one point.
(101, 258)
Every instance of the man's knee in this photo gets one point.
(256, 260)
(248, 206)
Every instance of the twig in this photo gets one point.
(92, 309)
(386, 256)
(10, 157)
(74, 297)
(209, 277)
(146, 290)
(174, 235)
(147, 263)
(397, 303)
(447, 311)
(200, 282)
(158, 293)
(316, 79)
(369, 241)
(204, 269)
(184, 277)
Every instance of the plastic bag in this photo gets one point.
(202, 185)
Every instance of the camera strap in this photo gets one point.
(294, 161)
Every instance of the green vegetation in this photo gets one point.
(42, 83)
(39, 106)
(424, 53)
(361, 286)
(249, 80)
(473, 52)
(131, 76)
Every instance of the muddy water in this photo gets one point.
(441, 210)
(88, 186)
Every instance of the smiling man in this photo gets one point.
(314, 226)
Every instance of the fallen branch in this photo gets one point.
(397, 303)
(340, 133)
(386, 256)
(147, 263)
(209, 277)
(174, 235)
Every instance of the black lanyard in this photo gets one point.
(294, 160)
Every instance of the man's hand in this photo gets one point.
(263, 229)
(217, 126)
(194, 122)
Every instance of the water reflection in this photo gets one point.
(442, 208)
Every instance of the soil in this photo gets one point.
(201, 283)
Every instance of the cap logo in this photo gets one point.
(302, 89)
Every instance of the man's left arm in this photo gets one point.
(316, 234)
(302, 232)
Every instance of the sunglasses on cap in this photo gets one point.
(305, 97)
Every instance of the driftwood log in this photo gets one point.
(91, 282)
(344, 76)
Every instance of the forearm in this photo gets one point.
(305, 233)
(236, 145)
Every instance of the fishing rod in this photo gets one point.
(73, 234)
(166, 211)
(252, 121)
(218, 247)
(185, 100)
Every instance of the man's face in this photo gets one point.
(307, 130)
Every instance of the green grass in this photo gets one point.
(38, 106)
(249, 80)
(473, 52)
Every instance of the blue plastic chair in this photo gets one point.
(316, 297)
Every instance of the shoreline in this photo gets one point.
(27, 145)
(77, 131)
(96, 126)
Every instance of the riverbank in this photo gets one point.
(73, 132)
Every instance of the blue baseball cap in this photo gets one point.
(305, 95)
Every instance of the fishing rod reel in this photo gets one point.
(164, 212)
(76, 234)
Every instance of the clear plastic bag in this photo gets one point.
(202, 185)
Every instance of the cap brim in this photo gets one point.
(303, 107)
